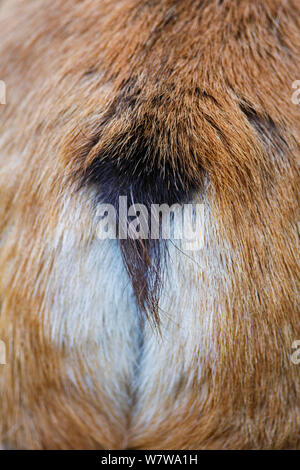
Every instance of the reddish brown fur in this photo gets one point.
(210, 83)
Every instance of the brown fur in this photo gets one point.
(208, 84)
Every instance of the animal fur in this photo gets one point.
(119, 347)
